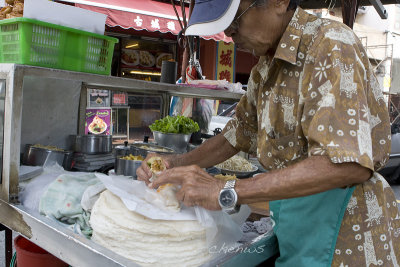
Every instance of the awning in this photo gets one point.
(146, 15)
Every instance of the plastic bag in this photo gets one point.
(220, 85)
(221, 228)
(32, 190)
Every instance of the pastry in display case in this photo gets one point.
(130, 57)
(14, 9)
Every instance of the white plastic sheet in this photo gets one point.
(220, 227)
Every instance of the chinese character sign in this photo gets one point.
(225, 61)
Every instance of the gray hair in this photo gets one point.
(292, 4)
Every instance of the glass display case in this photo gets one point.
(141, 58)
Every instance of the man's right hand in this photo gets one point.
(144, 173)
(214, 150)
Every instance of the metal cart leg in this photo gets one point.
(8, 244)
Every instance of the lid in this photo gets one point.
(123, 147)
(153, 148)
(92, 136)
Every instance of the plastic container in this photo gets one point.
(30, 255)
(33, 42)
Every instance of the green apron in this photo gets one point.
(307, 227)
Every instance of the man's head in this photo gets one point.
(254, 25)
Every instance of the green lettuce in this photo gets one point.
(177, 124)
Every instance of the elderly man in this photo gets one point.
(316, 118)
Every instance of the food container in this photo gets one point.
(92, 144)
(144, 148)
(40, 156)
(177, 142)
(127, 167)
(123, 150)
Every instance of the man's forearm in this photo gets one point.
(215, 150)
(310, 176)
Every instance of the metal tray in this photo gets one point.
(239, 174)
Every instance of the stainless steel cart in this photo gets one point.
(49, 105)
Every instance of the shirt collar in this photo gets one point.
(290, 41)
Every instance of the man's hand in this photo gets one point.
(198, 188)
(144, 173)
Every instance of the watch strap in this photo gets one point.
(230, 184)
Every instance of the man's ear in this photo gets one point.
(281, 5)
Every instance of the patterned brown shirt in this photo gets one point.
(319, 96)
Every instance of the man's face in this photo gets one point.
(259, 28)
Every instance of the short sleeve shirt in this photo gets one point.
(317, 95)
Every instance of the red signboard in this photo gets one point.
(225, 62)
(119, 99)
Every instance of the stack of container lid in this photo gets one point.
(92, 152)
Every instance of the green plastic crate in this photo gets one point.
(33, 42)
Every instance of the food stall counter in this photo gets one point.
(62, 97)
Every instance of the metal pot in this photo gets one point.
(144, 148)
(92, 144)
(127, 167)
(38, 156)
(177, 142)
(123, 150)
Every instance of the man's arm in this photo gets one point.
(215, 150)
(310, 176)
(313, 175)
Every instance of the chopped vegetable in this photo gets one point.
(178, 124)
(132, 157)
(53, 148)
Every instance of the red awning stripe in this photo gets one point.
(140, 15)
(136, 21)
(127, 6)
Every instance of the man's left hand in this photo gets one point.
(198, 188)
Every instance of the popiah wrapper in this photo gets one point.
(167, 191)
(157, 166)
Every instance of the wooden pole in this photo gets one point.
(349, 11)
(185, 57)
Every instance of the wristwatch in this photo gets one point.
(228, 198)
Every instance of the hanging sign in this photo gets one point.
(98, 98)
(119, 98)
(225, 61)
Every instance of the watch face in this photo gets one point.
(227, 198)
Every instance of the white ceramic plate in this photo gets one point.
(146, 59)
(130, 57)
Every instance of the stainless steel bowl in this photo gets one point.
(127, 167)
(92, 144)
(38, 156)
(177, 142)
(144, 148)
(239, 174)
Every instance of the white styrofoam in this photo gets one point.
(65, 15)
